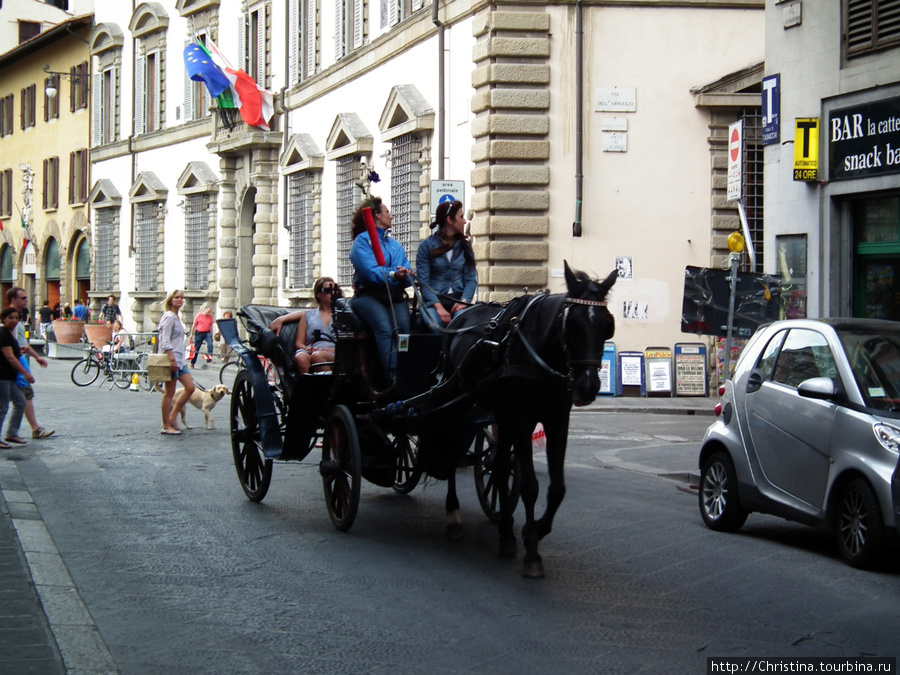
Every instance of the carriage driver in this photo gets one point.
(379, 296)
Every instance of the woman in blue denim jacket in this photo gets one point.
(379, 296)
(445, 266)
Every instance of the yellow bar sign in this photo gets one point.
(806, 148)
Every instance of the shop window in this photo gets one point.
(792, 250)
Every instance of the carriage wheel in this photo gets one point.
(254, 470)
(408, 472)
(341, 467)
(487, 485)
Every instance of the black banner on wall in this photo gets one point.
(864, 140)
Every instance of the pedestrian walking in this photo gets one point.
(10, 367)
(201, 331)
(79, 311)
(171, 342)
(17, 299)
(46, 320)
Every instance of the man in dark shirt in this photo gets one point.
(46, 319)
(111, 311)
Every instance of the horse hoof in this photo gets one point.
(534, 570)
(454, 531)
(508, 548)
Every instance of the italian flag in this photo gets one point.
(252, 101)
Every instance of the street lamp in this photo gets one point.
(52, 88)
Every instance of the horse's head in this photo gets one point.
(588, 324)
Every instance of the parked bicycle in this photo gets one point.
(118, 369)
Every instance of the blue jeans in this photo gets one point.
(9, 391)
(199, 339)
(378, 318)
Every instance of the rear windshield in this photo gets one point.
(875, 360)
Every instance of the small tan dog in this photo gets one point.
(205, 401)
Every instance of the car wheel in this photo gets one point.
(719, 503)
(859, 526)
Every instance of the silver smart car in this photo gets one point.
(808, 429)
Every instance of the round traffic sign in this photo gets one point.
(735, 144)
(446, 198)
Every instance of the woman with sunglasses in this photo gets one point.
(314, 345)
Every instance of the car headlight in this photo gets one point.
(888, 436)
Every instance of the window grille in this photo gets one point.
(753, 180)
(146, 245)
(196, 222)
(105, 227)
(300, 219)
(347, 170)
(405, 172)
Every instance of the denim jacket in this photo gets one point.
(366, 271)
(455, 277)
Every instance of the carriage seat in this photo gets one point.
(278, 349)
(345, 321)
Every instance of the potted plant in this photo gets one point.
(68, 331)
(98, 332)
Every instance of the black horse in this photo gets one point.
(525, 362)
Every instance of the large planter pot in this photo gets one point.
(98, 334)
(68, 332)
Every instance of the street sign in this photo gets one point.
(806, 148)
(735, 159)
(771, 109)
(447, 191)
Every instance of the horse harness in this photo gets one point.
(501, 330)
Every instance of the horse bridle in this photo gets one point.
(564, 311)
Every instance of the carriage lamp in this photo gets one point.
(52, 88)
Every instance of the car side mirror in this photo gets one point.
(755, 380)
(822, 388)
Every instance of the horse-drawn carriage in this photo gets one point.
(496, 372)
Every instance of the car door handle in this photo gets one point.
(754, 381)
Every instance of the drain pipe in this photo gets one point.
(579, 116)
(441, 103)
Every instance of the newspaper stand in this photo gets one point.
(608, 370)
(630, 373)
(658, 364)
(690, 369)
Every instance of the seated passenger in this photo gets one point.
(119, 339)
(379, 297)
(314, 346)
(445, 267)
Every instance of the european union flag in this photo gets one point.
(201, 68)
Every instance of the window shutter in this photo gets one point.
(44, 196)
(97, 112)
(261, 47)
(242, 40)
(112, 112)
(139, 96)
(22, 109)
(72, 93)
(46, 100)
(357, 23)
(310, 37)
(53, 200)
(158, 111)
(294, 10)
(340, 32)
(394, 12)
(83, 177)
(71, 178)
(188, 98)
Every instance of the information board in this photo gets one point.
(658, 362)
(690, 369)
(631, 372)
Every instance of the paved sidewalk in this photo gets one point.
(29, 562)
(26, 642)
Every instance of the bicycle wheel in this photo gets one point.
(85, 372)
(229, 372)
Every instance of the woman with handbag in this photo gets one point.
(171, 343)
(379, 296)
